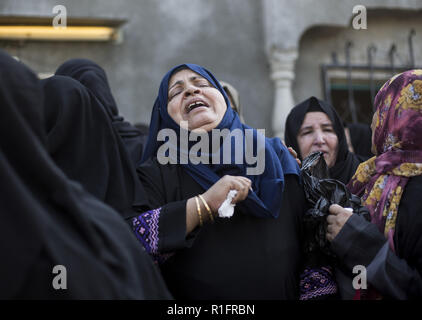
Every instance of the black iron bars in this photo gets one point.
(372, 49)
(352, 106)
(391, 54)
(411, 53)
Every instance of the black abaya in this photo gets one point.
(83, 143)
(49, 220)
(243, 257)
(394, 275)
(92, 76)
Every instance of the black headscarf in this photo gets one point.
(48, 220)
(83, 143)
(92, 76)
(361, 137)
(346, 162)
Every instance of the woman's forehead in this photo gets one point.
(316, 118)
(182, 75)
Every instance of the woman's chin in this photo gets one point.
(203, 123)
(330, 163)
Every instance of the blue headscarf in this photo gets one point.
(265, 199)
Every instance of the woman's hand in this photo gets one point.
(216, 195)
(293, 153)
(336, 220)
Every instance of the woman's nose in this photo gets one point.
(319, 138)
(191, 90)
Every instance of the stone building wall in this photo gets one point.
(270, 50)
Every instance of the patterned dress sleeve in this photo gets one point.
(146, 229)
(162, 231)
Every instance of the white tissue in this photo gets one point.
(226, 209)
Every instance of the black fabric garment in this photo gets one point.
(243, 257)
(48, 220)
(346, 162)
(92, 76)
(394, 275)
(361, 137)
(83, 143)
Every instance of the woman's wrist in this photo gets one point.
(192, 219)
(209, 214)
(198, 216)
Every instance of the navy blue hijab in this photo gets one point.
(265, 199)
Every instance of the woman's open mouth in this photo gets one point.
(194, 105)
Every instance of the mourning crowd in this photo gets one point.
(85, 189)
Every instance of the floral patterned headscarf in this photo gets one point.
(397, 138)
